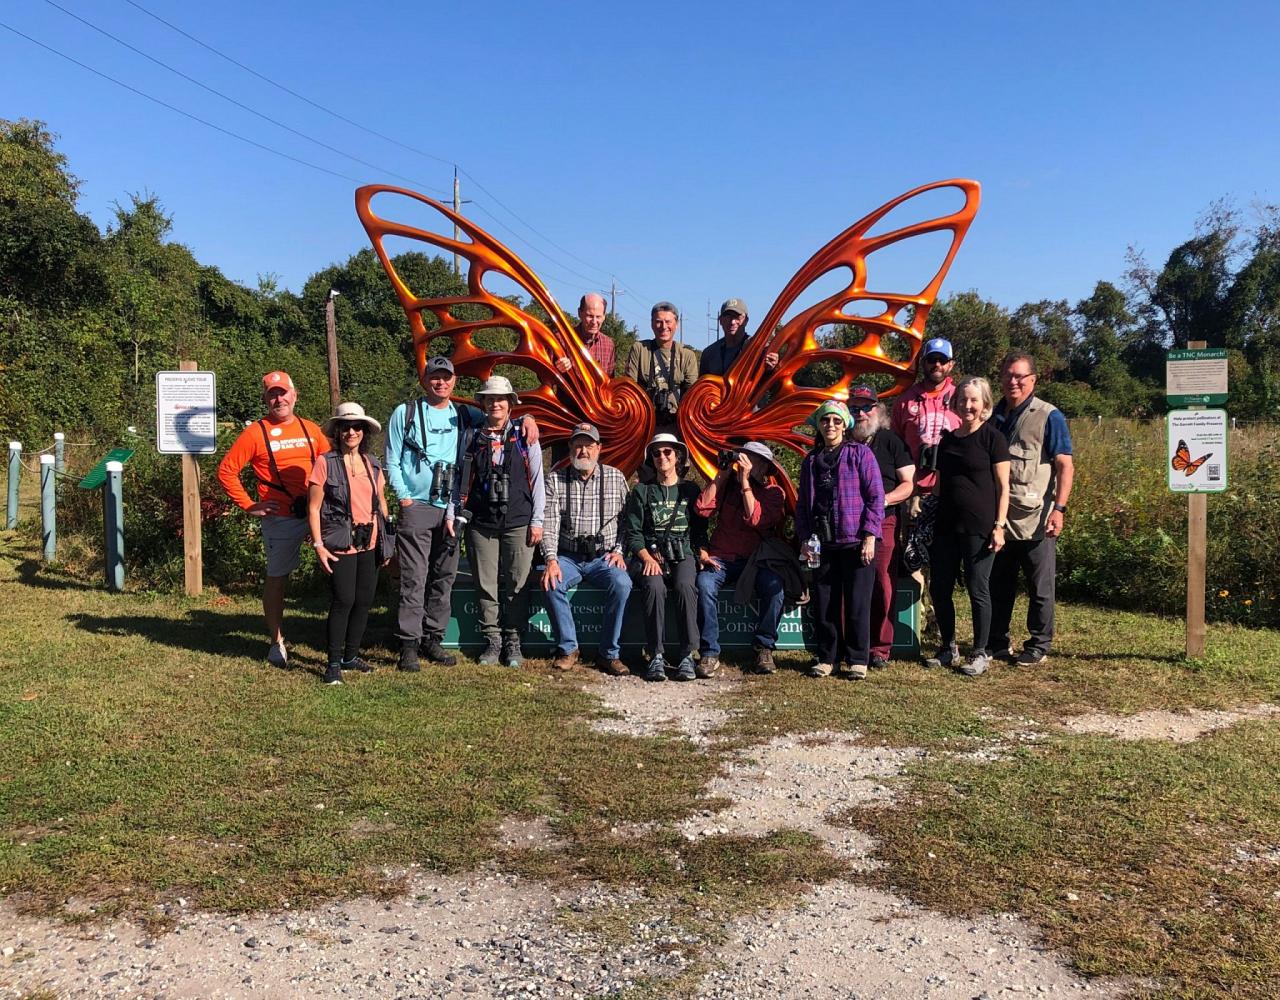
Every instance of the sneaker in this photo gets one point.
(612, 666)
(820, 670)
(277, 655)
(436, 653)
(512, 654)
(492, 652)
(879, 662)
(977, 666)
(764, 661)
(947, 656)
(1030, 658)
(707, 667)
(566, 661)
(355, 663)
(333, 674)
(408, 658)
(657, 669)
(857, 672)
(1006, 654)
(685, 670)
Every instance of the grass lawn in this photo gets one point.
(146, 753)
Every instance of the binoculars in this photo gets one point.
(586, 546)
(441, 482)
(361, 535)
(499, 489)
(665, 402)
(670, 551)
(726, 459)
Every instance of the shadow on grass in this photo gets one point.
(199, 631)
(34, 573)
(1113, 656)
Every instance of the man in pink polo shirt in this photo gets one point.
(923, 412)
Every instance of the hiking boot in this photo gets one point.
(820, 670)
(333, 674)
(685, 670)
(947, 656)
(657, 669)
(1030, 658)
(355, 663)
(764, 661)
(612, 666)
(857, 672)
(566, 661)
(436, 653)
(708, 667)
(976, 666)
(408, 658)
(492, 652)
(1006, 654)
(277, 655)
(879, 662)
(512, 654)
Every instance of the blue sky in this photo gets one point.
(695, 151)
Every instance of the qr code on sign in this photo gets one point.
(1213, 473)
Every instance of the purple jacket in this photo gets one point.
(859, 496)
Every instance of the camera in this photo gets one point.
(671, 551)
(726, 459)
(824, 529)
(361, 535)
(298, 508)
(928, 461)
(587, 547)
(441, 482)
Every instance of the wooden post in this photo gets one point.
(1197, 556)
(331, 335)
(192, 558)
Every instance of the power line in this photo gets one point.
(177, 110)
(231, 100)
(396, 142)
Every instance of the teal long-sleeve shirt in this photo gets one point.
(435, 434)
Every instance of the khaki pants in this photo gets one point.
(500, 564)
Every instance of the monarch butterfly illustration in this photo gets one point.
(1181, 460)
(716, 409)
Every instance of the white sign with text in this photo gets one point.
(186, 413)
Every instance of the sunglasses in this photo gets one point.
(832, 418)
(348, 428)
(1019, 378)
(862, 408)
(663, 451)
(937, 359)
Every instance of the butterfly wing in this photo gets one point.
(719, 409)
(618, 407)
(1193, 466)
(1181, 458)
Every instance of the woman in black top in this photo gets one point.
(973, 503)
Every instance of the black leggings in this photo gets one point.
(353, 581)
(947, 553)
(841, 591)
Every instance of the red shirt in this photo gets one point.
(605, 353)
(738, 534)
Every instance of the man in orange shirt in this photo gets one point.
(281, 449)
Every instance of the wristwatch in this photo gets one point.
(1002, 524)
(1061, 508)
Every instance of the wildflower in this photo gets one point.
(1248, 602)
(1224, 593)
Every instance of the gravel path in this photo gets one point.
(1179, 727)
(491, 935)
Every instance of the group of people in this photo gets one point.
(992, 481)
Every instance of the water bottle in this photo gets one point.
(815, 551)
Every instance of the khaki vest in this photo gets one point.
(1032, 485)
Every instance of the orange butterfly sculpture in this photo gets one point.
(1181, 460)
(716, 410)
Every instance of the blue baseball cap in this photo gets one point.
(938, 345)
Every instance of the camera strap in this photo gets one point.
(664, 367)
(582, 501)
(278, 483)
(406, 441)
(346, 478)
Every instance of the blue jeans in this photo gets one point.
(769, 590)
(617, 587)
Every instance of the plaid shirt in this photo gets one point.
(573, 508)
(605, 353)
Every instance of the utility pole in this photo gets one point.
(458, 202)
(613, 296)
(331, 335)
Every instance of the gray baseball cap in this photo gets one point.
(733, 306)
(585, 430)
(440, 364)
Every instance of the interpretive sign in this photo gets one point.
(1196, 377)
(1197, 451)
(186, 413)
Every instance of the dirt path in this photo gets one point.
(489, 935)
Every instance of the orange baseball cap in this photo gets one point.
(277, 380)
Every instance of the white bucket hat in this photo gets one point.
(496, 385)
(670, 439)
(349, 413)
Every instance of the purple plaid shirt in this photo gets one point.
(859, 496)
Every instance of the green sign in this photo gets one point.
(98, 474)
(737, 622)
(1196, 376)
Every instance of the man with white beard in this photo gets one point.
(581, 541)
(897, 471)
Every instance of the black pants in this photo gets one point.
(353, 581)
(1038, 561)
(946, 555)
(842, 589)
(653, 592)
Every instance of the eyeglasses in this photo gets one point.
(832, 419)
(1019, 378)
(862, 408)
(663, 451)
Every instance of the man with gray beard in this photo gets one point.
(581, 542)
(898, 471)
